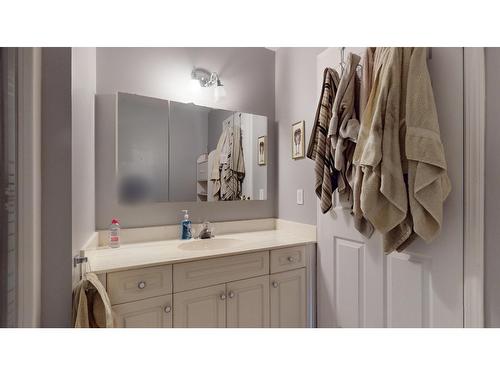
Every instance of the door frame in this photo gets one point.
(29, 188)
(474, 159)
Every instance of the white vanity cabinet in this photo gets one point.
(252, 290)
(239, 304)
(288, 288)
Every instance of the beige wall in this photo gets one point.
(296, 100)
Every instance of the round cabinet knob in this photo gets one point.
(167, 309)
(275, 284)
(231, 294)
(291, 259)
(223, 296)
(141, 285)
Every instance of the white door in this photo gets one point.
(288, 299)
(201, 308)
(147, 313)
(359, 286)
(248, 303)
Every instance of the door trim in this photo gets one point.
(474, 140)
(29, 190)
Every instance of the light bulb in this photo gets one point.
(219, 92)
(194, 85)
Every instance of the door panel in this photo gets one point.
(148, 313)
(288, 299)
(248, 303)
(349, 286)
(201, 308)
(414, 270)
(359, 286)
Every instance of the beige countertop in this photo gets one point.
(145, 254)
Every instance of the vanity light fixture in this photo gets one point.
(203, 78)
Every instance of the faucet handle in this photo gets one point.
(206, 230)
(211, 229)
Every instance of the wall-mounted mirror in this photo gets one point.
(178, 152)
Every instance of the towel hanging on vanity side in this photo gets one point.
(91, 305)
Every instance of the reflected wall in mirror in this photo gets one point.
(178, 152)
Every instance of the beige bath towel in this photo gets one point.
(428, 180)
(319, 150)
(361, 224)
(402, 235)
(91, 305)
(416, 139)
(344, 128)
(383, 198)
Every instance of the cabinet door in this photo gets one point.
(248, 303)
(201, 308)
(288, 299)
(147, 313)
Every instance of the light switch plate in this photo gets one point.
(300, 196)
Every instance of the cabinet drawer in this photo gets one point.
(288, 259)
(133, 285)
(202, 273)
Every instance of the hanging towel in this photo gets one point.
(228, 167)
(360, 223)
(318, 149)
(343, 130)
(366, 79)
(402, 235)
(91, 305)
(383, 198)
(233, 171)
(429, 184)
(215, 173)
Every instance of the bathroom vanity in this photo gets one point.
(157, 156)
(263, 278)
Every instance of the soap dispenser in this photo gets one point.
(186, 233)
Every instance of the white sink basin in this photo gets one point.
(209, 244)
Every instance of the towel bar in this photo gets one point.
(79, 260)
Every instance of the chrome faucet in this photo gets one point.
(206, 231)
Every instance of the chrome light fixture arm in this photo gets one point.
(206, 78)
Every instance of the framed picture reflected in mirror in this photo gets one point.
(261, 144)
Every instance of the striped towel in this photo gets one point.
(319, 150)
